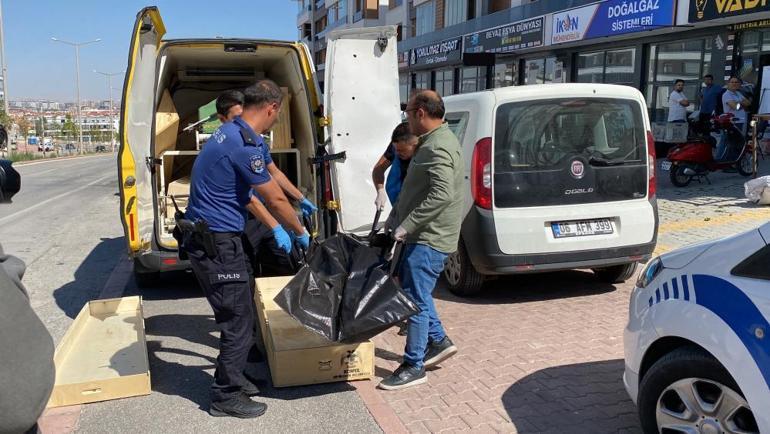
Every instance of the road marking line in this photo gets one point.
(51, 199)
(54, 160)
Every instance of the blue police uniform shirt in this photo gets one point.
(223, 174)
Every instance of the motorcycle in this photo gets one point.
(695, 159)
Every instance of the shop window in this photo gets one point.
(474, 78)
(445, 82)
(612, 66)
(426, 18)
(686, 60)
(506, 74)
(454, 12)
(498, 5)
(535, 73)
(403, 87)
(422, 80)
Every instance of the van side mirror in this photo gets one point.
(10, 181)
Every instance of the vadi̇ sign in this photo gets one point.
(612, 17)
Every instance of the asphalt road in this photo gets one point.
(65, 225)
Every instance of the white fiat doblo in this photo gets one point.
(560, 176)
(326, 147)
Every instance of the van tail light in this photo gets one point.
(652, 188)
(131, 227)
(481, 173)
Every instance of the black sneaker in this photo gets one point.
(249, 389)
(404, 376)
(239, 406)
(439, 351)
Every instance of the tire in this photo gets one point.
(462, 279)
(146, 279)
(745, 165)
(678, 178)
(616, 273)
(690, 370)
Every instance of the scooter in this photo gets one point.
(695, 159)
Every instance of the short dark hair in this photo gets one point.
(430, 101)
(227, 99)
(261, 93)
(678, 80)
(401, 133)
(735, 77)
(708, 76)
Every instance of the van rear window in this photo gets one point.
(548, 147)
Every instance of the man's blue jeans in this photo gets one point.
(420, 269)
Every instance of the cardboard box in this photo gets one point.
(298, 356)
(103, 355)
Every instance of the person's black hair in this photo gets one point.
(430, 102)
(261, 93)
(401, 133)
(735, 77)
(678, 80)
(227, 99)
(708, 76)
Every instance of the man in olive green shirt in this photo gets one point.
(427, 218)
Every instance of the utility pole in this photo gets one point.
(112, 120)
(4, 70)
(77, 46)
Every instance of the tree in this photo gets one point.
(23, 124)
(5, 120)
(69, 128)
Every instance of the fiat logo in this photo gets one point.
(578, 169)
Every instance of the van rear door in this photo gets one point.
(136, 118)
(362, 102)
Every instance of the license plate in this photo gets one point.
(665, 165)
(582, 228)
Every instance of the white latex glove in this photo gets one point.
(399, 234)
(382, 199)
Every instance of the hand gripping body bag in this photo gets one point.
(345, 291)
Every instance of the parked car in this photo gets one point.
(69, 147)
(560, 176)
(697, 343)
(45, 147)
(101, 148)
(361, 95)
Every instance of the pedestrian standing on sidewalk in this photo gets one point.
(678, 103)
(427, 219)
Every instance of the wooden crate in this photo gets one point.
(103, 355)
(296, 355)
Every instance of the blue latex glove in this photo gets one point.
(307, 207)
(303, 240)
(282, 238)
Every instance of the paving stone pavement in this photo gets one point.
(544, 353)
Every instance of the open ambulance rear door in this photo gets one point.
(362, 103)
(136, 121)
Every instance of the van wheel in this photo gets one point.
(616, 273)
(678, 178)
(688, 390)
(462, 279)
(145, 279)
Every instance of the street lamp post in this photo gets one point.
(77, 46)
(112, 120)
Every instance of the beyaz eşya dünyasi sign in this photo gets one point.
(613, 17)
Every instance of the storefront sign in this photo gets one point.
(504, 39)
(751, 25)
(704, 10)
(612, 17)
(440, 53)
(403, 59)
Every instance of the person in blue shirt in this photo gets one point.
(397, 156)
(709, 97)
(232, 163)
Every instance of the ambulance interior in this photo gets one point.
(191, 76)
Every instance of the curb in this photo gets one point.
(64, 420)
(383, 414)
(52, 160)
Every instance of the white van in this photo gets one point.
(326, 150)
(560, 176)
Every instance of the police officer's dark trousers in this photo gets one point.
(225, 280)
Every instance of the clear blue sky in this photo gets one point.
(41, 68)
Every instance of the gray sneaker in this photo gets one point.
(438, 352)
(404, 376)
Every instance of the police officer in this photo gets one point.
(232, 162)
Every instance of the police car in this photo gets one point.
(697, 344)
